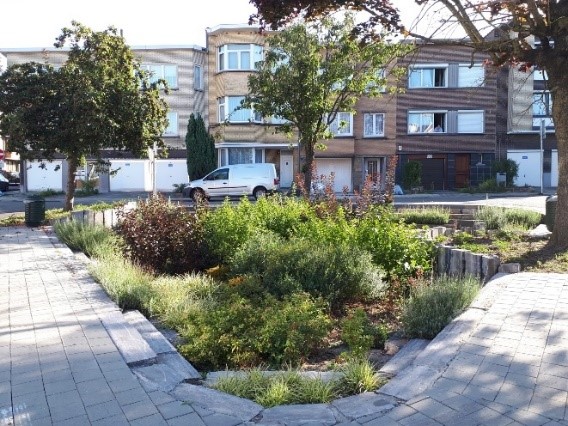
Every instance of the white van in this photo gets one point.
(255, 179)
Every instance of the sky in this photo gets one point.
(36, 23)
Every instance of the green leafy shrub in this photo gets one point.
(509, 167)
(501, 217)
(88, 187)
(490, 185)
(432, 307)
(227, 228)
(426, 215)
(335, 273)
(235, 331)
(163, 237)
(179, 187)
(412, 174)
(292, 329)
(358, 332)
(395, 246)
(90, 239)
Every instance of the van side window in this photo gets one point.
(221, 174)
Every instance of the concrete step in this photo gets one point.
(153, 337)
(404, 357)
(134, 349)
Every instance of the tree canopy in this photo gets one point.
(99, 99)
(311, 73)
(517, 33)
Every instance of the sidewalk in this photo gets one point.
(68, 356)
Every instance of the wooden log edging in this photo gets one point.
(459, 263)
(107, 218)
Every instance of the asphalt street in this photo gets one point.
(11, 202)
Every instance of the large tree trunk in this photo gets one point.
(558, 83)
(72, 164)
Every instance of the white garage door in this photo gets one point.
(529, 168)
(41, 178)
(170, 172)
(554, 169)
(132, 175)
(341, 168)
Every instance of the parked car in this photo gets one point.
(4, 183)
(255, 179)
(13, 177)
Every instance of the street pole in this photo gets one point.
(155, 151)
(541, 153)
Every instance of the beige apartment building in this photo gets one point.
(358, 149)
(184, 69)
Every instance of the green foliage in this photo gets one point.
(358, 333)
(431, 307)
(394, 245)
(176, 298)
(336, 273)
(91, 240)
(412, 174)
(501, 217)
(98, 99)
(200, 145)
(12, 220)
(49, 192)
(235, 331)
(489, 185)
(287, 387)
(127, 284)
(358, 376)
(163, 237)
(509, 167)
(426, 215)
(324, 84)
(227, 227)
(88, 187)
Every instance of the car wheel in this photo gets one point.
(259, 192)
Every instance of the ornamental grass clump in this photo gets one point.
(432, 306)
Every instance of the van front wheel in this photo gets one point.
(259, 192)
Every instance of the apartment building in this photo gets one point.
(361, 144)
(446, 116)
(184, 69)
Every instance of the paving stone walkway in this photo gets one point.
(63, 359)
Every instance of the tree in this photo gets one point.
(99, 99)
(517, 33)
(200, 146)
(310, 73)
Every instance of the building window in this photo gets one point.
(373, 125)
(378, 83)
(427, 122)
(245, 155)
(539, 75)
(542, 109)
(471, 75)
(198, 77)
(470, 121)
(164, 72)
(239, 56)
(230, 110)
(342, 125)
(428, 76)
(172, 129)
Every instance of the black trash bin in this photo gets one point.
(34, 208)
(550, 215)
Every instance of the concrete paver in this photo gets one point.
(502, 362)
